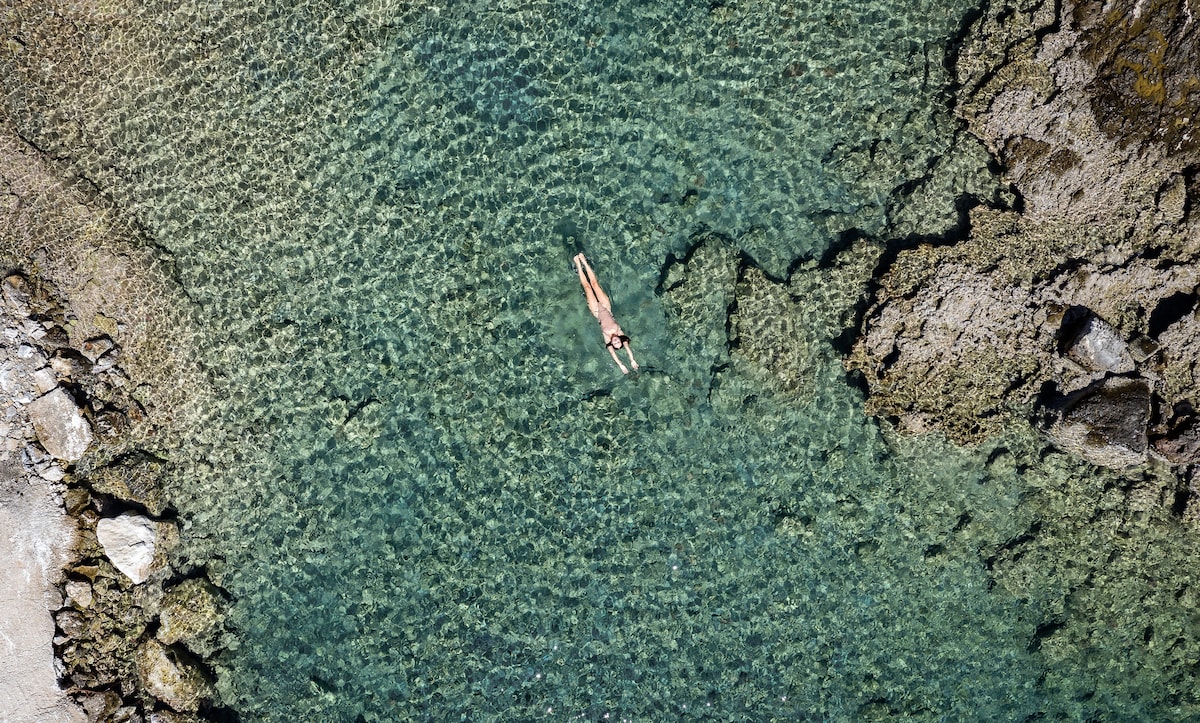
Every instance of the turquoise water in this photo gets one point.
(427, 487)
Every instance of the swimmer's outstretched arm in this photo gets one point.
(628, 350)
(613, 353)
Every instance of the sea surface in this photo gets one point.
(429, 491)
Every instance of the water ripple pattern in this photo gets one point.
(430, 492)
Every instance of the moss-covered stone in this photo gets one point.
(173, 676)
(191, 614)
(1147, 85)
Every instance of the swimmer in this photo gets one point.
(601, 307)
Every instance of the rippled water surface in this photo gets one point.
(430, 491)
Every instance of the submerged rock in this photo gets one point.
(191, 614)
(1106, 423)
(132, 477)
(172, 676)
(60, 426)
(769, 338)
(697, 292)
(129, 541)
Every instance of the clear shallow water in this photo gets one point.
(429, 490)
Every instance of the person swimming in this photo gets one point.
(601, 308)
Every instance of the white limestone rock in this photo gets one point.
(1099, 347)
(79, 593)
(60, 426)
(44, 381)
(129, 540)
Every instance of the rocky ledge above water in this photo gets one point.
(1077, 308)
(82, 371)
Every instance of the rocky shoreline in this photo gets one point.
(1077, 308)
(86, 399)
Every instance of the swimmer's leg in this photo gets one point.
(600, 295)
(592, 301)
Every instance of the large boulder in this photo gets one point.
(173, 676)
(1095, 345)
(60, 426)
(1106, 423)
(129, 541)
(191, 614)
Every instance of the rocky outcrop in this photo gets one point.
(1079, 301)
(91, 384)
(1089, 109)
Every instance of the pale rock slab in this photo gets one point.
(129, 540)
(60, 426)
(1100, 347)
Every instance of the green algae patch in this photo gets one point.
(1147, 87)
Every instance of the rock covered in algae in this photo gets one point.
(191, 614)
(99, 705)
(172, 676)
